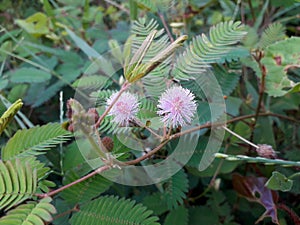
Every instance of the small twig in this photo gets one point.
(118, 6)
(294, 175)
(74, 209)
(162, 18)
(51, 193)
(290, 212)
(261, 87)
(163, 143)
(138, 122)
(240, 137)
(149, 154)
(240, 118)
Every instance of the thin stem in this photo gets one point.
(261, 84)
(133, 9)
(52, 72)
(74, 209)
(240, 118)
(101, 118)
(138, 122)
(163, 143)
(252, 10)
(261, 87)
(240, 137)
(162, 18)
(51, 193)
(294, 175)
(149, 154)
(290, 212)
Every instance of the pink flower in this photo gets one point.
(177, 106)
(125, 109)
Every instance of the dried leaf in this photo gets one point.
(254, 189)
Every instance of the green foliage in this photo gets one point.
(156, 203)
(29, 75)
(273, 33)
(205, 50)
(86, 49)
(34, 141)
(84, 191)
(175, 189)
(35, 24)
(18, 183)
(177, 216)
(35, 213)
(112, 210)
(257, 160)
(155, 5)
(279, 57)
(279, 182)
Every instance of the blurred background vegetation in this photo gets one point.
(43, 52)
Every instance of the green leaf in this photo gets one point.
(279, 57)
(279, 182)
(156, 5)
(156, 203)
(205, 50)
(204, 214)
(112, 210)
(37, 24)
(29, 75)
(70, 72)
(86, 190)
(3, 84)
(273, 33)
(175, 189)
(31, 213)
(9, 114)
(88, 50)
(18, 182)
(177, 216)
(35, 141)
(91, 82)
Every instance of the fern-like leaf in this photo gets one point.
(274, 32)
(34, 141)
(9, 114)
(156, 203)
(154, 83)
(175, 189)
(113, 211)
(100, 97)
(108, 126)
(18, 182)
(85, 190)
(156, 5)
(31, 213)
(205, 50)
(179, 215)
(91, 82)
(147, 109)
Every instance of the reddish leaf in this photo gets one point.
(253, 188)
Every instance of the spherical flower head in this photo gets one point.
(177, 106)
(125, 108)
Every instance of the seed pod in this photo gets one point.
(266, 151)
(108, 143)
